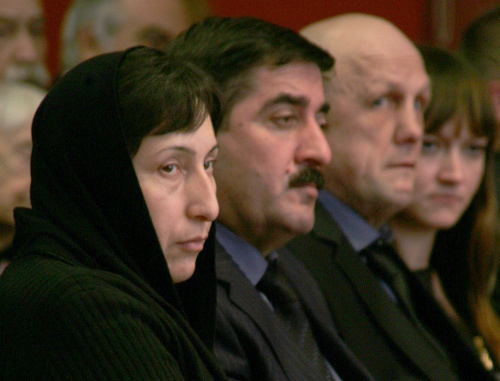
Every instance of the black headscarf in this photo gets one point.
(85, 194)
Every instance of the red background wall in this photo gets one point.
(417, 18)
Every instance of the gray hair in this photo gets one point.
(99, 16)
(18, 102)
(103, 19)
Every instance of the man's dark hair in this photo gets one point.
(159, 94)
(230, 48)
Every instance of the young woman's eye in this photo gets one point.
(475, 149)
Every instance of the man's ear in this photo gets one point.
(88, 44)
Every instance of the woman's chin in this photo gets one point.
(181, 272)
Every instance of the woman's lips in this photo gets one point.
(193, 244)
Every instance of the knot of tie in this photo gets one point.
(276, 288)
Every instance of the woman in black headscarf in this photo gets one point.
(123, 197)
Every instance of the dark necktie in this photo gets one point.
(291, 316)
(382, 261)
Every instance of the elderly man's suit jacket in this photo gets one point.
(248, 341)
(369, 321)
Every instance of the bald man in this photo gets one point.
(377, 92)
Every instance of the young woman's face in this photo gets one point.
(449, 172)
(175, 172)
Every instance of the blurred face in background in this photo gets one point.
(150, 22)
(15, 179)
(23, 45)
(449, 173)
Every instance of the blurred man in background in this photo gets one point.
(93, 27)
(23, 45)
(18, 103)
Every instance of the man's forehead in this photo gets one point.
(156, 12)
(20, 8)
(296, 79)
(398, 72)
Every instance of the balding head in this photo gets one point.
(377, 91)
(356, 40)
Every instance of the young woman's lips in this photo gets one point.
(446, 198)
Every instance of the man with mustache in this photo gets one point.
(271, 145)
(23, 44)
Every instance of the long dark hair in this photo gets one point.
(465, 256)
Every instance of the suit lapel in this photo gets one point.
(245, 297)
(392, 321)
(332, 346)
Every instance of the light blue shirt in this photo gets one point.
(356, 229)
(251, 262)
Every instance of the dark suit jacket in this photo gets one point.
(248, 343)
(369, 322)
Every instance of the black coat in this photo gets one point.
(89, 295)
(373, 327)
(248, 343)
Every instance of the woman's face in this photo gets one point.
(175, 172)
(449, 172)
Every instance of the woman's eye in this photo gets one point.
(476, 149)
(170, 168)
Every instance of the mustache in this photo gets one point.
(307, 176)
(35, 74)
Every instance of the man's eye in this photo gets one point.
(379, 102)
(285, 121)
(209, 165)
(37, 28)
(430, 146)
(7, 29)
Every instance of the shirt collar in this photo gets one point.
(250, 260)
(357, 230)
